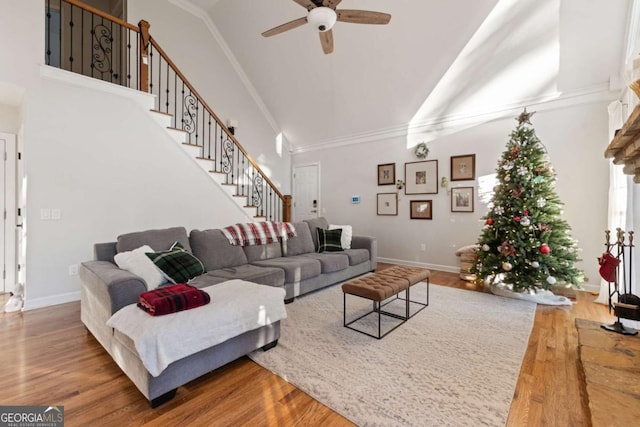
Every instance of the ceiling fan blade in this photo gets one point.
(363, 17)
(326, 40)
(307, 4)
(331, 3)
(285, 27)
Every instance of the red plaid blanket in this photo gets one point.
(171, 299)
(258, 233)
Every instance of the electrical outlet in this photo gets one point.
(423, 247)
(45, 214)
(55, 214)
(73, 270)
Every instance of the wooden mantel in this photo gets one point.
(625, 146)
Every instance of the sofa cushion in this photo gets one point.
(261, 252)
(295, 268)
(205, 280)
(214, 250)
(139, 264)
(357, 256)
(329, 240)
(159, 240)
(177, 265)
(302, 243)
(330, 262)
(313, 224)
(251, 273)
(347, 234)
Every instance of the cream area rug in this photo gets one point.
(456, 363)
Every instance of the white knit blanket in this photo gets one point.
(236, 307)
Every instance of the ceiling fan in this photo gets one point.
(323, 15)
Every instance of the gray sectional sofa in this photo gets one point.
(293, 264)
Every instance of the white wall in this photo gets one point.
(192, 47)
(110, 169)
(9, 118)
(575, 138)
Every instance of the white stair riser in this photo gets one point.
(163, 120)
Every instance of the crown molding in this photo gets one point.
(588, 95)
(200, 13)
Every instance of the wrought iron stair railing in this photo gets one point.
(85, 40)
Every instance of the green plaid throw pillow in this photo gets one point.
(329, 240)
(177, 265)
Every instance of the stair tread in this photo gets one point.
(223, 173)
(153, 110)
(205, 158)
(179, 130)
(191, 145)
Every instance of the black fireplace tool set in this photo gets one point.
(616, 267)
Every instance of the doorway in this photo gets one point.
(306, 191)
(8, 212)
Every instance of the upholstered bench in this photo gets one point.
(376, 288)
(381, 286)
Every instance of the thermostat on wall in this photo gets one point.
(355, 199)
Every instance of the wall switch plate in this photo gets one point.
(73, 270)
(45, 214)
(423, 247)
(55, 214)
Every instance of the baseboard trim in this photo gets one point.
(32, 304)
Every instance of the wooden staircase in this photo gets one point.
(115, 51)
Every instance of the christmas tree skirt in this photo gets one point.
(539, 296)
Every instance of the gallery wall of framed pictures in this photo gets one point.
(422, 177)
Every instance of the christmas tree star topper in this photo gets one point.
(524, 117)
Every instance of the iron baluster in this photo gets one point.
(48, 15)
(151, 68)
(166, 107)
(71, 39)
(209, 137)
(81, 41)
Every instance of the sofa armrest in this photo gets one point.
(371, 244)
(108, 282)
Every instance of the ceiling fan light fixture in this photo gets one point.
(322, 18)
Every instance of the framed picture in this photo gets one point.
(387, 203)
(421, 177)
(387, 174)
(463, 168)
(462, 199)
(421, 209)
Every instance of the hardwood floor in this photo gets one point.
(48, 357)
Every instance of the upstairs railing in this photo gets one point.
(84, 40)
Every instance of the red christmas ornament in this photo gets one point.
(516, 218)
(489, 221)
(545, 249)
(526, 212)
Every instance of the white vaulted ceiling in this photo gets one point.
(437, 60)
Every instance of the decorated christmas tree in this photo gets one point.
(525, 242)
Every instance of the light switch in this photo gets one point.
(55, 214)
(45, 214)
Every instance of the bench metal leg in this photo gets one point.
(377, 308)
(422, 305)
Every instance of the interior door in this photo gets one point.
(306, 191)
(7, 211)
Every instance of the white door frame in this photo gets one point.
(8, 211)
(294, 187)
